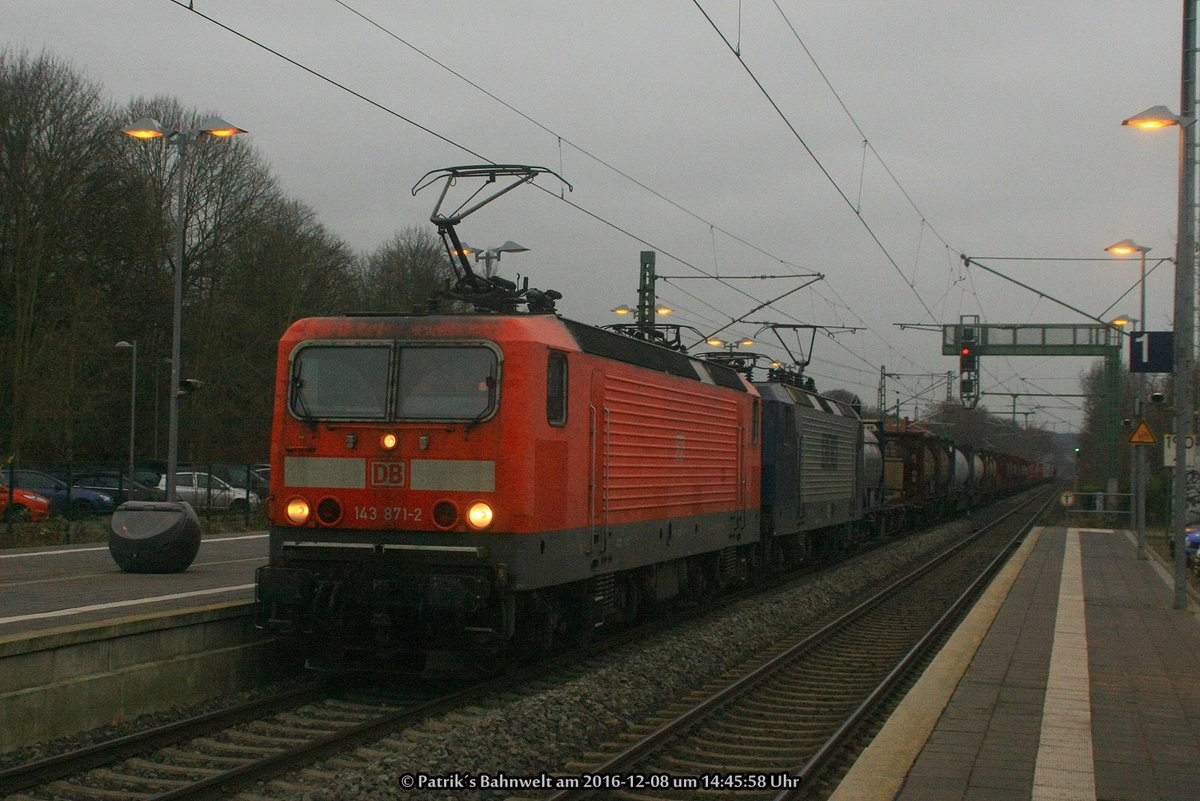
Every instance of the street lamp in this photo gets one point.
(1185, 305)
(132, 400)
(149, 128)
(1152, 119)
(625, 311)
(1137, 460)
(1127, 247)
(489, 255)
(713, 342)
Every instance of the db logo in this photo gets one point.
(387, 474)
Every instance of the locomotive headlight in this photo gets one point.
(479, 515)
(298, 511)
(388, 441)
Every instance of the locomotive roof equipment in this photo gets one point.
(484, 292)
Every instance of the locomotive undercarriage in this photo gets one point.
(374, 606)
(390, 602)
(379, 606)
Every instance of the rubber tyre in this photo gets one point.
(154, 536)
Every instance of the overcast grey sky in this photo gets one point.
(992, 129)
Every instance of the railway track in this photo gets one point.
(214, 754)
(770, 732)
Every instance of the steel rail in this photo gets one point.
(69, 763)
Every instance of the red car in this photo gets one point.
(26, 505)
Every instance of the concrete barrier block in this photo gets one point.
(43, 713)
(154, 646)
(82, 660)
(20, 671)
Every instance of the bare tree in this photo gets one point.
(404, 272)
(88, 227)
(286, 266)
(58, 197)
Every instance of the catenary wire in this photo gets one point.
(466, 149)
(820, 166)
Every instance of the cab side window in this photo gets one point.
(556, 389)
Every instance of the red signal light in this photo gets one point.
(968, 362)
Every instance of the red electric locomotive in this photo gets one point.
(467, 479)
(450, 479)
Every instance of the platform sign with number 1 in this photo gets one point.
(1152, 352)
(1169, 450)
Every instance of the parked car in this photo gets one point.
(242, 476)
(25, 505)
(120, 487)
(64, 499)
(206, 491)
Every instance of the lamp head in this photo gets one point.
(147, 128)
(1126, 247)
(222, 129)
(1153, 118)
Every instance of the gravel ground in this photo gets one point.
(545, 728)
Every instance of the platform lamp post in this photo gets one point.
(149, 128)
(132, 400)
(1155, 118)
(1137, 457)
(1127, 247)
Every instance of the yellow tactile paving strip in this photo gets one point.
(1064, 769)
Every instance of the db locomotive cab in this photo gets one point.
(386, 490)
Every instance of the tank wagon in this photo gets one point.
(505, 477)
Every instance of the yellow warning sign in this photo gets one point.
(1143, 435)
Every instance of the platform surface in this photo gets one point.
(48, 588)
(1075, 680)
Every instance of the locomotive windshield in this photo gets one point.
(438, 383)
(393, 381)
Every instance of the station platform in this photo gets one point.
(1072, 678)
(83, 644)
(80, 585)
